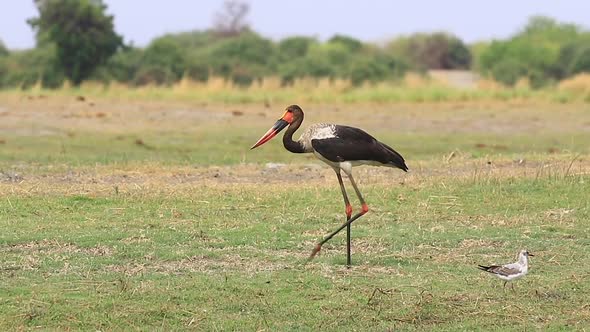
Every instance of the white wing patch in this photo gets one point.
(317, 131)
(323, 131)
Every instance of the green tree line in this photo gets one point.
(76, 41)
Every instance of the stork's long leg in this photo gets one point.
(348, 215)
(364, 210)
(344, 195)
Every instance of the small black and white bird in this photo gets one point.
(341, 147)
(509, 272)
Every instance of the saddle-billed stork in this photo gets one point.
(341, 147)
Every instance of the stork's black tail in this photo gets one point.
(394, 158)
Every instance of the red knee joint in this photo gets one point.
(315, 250)
(365, 209)
(348, 211)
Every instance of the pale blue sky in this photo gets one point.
(377, 20)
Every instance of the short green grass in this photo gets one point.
(142, 228)
(233, 258)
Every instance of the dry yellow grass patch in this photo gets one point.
(179, 180)
(579, 84)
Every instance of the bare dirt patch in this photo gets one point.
(181, 180)
(61, 115)
(30, 255)
(231, 262)
(226, 262)
(54, 247)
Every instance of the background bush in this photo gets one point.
(543, 51)
(432, 51)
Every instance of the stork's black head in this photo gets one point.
(292, 114)
(294, 108)
(297, 113)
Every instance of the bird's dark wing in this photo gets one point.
(500, 270)
(355, 144)
(353, 134)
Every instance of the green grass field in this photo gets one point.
(153, 215)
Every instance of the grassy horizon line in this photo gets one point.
(412, 88)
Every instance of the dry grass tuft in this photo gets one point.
(413, 87)
(54, 247)
(490, 85)
(579, 84)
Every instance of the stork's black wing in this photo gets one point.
(352, 144)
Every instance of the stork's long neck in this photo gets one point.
(288, 142)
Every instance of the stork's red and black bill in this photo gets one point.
(274, 130)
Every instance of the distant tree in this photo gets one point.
(340, 57)
(4, 69)
(432, 51)
(581, 61)
(231, 20)
(459, 55)
(26, 68)
(507, 61)
(195, 39)
(243, 58)
(308, 66)
(3, 49)
(351, 44)
(574, 57)
(547, 29)
(538, 24)
(337, 54)
(543, 51)
(197, 69)
(508, 71)
(476, 49)
(82, 32)
(123, 66)
(376, 67)
(293, 47)
(165, 55)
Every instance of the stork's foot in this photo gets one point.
(314, 252)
